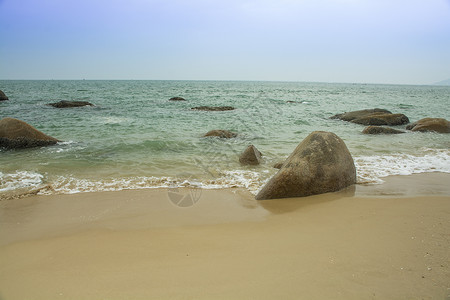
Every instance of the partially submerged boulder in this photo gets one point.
(430, 124)
(382, 119)
(3, 96)
(225, 134)
(15, 134)
(177, 99)
(213, 108)
(380, 130)
(68, 104)
(374, 116)
(321, 163)
(352, 115)
(251, 156)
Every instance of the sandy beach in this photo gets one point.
(389, 241)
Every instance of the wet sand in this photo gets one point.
(389, 241)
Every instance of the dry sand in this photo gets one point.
(390, 241)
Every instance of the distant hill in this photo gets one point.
(443, 82)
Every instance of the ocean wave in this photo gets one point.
(370, 170)
(20, 180)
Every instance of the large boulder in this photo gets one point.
(213, 108)
(374, 116)
(380, 130)
(251, 156)
(3, 96)
(430, 124)
(321, 163)
(68, 104)
(225, 134)
(15, 134)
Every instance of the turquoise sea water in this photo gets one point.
(135, 138)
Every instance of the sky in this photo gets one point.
(357, 41)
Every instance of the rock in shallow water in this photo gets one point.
(381, 130)
(251, 156)
(3, 96)
(374, 116)
(321, 163)
(68, 104)
(430, 124)
(225, 134)
(16, 134)
(352, 115)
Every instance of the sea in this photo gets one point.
(135, 138)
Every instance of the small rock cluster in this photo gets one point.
(376, 118)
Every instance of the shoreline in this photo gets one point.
(376, 241)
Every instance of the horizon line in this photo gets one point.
(235, 80)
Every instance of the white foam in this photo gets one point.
(72, 185)
(371, 169)
(20, 180)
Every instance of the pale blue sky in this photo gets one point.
(371, 41)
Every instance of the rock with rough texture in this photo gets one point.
(16, 134)
(225, 134)
(430, 124)
(382, 119)
(3, 96)
(381, 130)
(177, 99)
(68, 104)
(251, 156)
(374, 116)
(357, 114)
(213, 108)
(321, 163)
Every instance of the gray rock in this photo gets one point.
(225, 134)
(69, 104)
(381, 130)
(430, 124)
(251, 156)
(3, 96)
(16, 134)
(321, 163)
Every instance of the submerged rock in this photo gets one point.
(15, 134)
(68, 104)
(321, 163)
(381, 130)
(3, 97)
(374, 116)
(251, 156)
(213, 108)
(177, 99)
(225, 134)
(430, 124)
